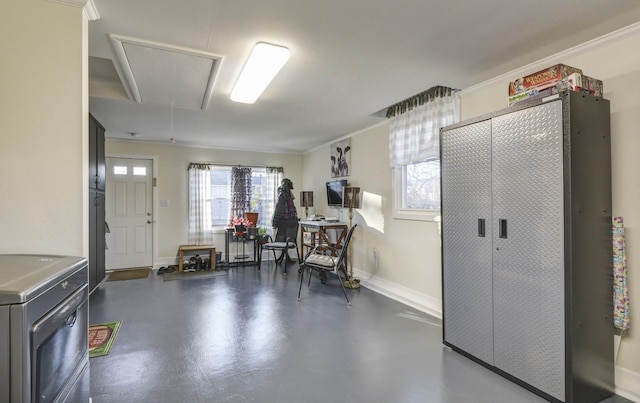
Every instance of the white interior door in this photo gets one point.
(129, 194)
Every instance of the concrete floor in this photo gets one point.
(243, 337)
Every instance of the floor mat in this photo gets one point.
(185, 275)
(129, 274)
(101, 338)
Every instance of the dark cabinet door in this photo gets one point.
(93, 146)
(100, 159)
(96, 238)
(97, 167)
(93, 260)
(100, 237)
(97, 181)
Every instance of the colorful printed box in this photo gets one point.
(541, 79)
(573, 82)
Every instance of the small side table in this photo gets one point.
(197, 248)
(243, 259)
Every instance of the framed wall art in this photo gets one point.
(341, 158)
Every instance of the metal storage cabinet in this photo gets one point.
(526, 245)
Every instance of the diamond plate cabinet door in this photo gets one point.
(466, 204)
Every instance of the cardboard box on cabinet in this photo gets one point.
(541, 79)
(574, 82)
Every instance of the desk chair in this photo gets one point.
(331, 260)
(286, 238)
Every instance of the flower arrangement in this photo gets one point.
(236, 220)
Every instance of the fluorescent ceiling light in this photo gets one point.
(265, 62)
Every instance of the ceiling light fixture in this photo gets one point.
(265, 62)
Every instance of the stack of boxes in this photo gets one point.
(550, 81)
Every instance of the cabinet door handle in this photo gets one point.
(502, 225)
(481, 227)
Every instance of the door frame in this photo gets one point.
(154, 198)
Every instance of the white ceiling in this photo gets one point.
(349, 61)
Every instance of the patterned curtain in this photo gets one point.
(200, 230)
(240, 191)
(414, 131)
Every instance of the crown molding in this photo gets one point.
(88, 7)
(73, 3)
(618, 35)
(91, 11)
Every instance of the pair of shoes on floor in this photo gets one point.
(163, 270)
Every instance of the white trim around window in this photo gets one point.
(399, 213)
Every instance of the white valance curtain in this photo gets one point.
(200, 231)
(415, 123)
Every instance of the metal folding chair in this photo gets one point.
(327, 259)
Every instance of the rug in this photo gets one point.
(101, 338)
(185, 275)
(129, 274)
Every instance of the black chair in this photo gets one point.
(286, 239)
(327, 259)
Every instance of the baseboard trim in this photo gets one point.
(164, 262)
(414, 299)
(628, 384)
(627, 381)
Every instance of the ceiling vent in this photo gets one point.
(161, 74)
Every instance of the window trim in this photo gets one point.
(399, 213)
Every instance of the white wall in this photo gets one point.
(408, 264)
(43, 152)
(400, 258)
(172, 184)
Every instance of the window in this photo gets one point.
(261, 196)
(216, 191)
(417, 191)
(414, 151)
(139, 171)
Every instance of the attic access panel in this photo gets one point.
(162, 74)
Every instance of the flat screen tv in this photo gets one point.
(334, 192)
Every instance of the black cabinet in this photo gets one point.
(96, 238)
(97, 165)
(97, 224)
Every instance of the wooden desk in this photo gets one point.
(197, 248)
(319, 228)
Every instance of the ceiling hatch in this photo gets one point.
(162, 74)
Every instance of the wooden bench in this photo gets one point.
(197, 248)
